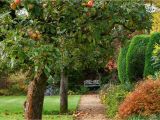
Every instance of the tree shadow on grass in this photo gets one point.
(56, 113)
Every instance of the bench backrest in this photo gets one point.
(91, 83)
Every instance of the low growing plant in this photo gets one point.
(139, 117)
(144, 100)
(112, 97)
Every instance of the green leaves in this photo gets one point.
(4, 15)
(73, 36)
(156, 57)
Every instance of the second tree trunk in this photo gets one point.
(63, 93)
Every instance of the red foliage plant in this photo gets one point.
(144, 100)
(111, 65)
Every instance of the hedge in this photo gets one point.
(135, 57)
(148, 69)
(122, 64)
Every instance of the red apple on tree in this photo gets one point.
(90, 3)
(17, 2)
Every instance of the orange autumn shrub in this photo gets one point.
(144, 100)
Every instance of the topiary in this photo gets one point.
(122, 64)
(135, 57)
(148, 69)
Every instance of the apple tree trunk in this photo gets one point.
(35, 97)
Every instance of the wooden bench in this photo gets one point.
(91, 83)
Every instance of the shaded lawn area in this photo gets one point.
(45, 117)
(11, 107)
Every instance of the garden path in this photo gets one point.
(90, 108)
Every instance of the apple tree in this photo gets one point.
(46, 36)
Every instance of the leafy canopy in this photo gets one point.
(57, 34)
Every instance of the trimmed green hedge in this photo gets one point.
(135, 57)
(122, 65)
(148, 69)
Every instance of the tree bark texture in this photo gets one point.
(35, 97)
(64, 93)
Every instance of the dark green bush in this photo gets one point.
(12, 90)
(135, 57)
(148, 69)
(122, 65)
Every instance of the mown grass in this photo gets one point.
(11, 107)
(45, 117)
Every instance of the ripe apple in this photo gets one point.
(33, 36)
(90, 3)
(13, 6)
(17, 2)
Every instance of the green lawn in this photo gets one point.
(11, 107)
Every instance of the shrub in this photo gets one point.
(70, 92)
(122, 65)
(79, 90)
(135, 57)
(3, 80)
(156, 22)
(16, 84)
(103, 92)
(105, 78)
(112, 96)
(148, 69)
(156, 57)
(83, 90)
(18, 81)
(144, 100)
(5, 92)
